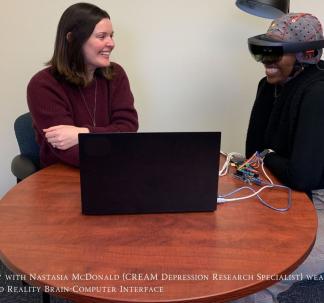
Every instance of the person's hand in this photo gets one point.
(63, 136)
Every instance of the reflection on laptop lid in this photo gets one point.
(126, 173)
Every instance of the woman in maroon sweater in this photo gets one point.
(80, 91)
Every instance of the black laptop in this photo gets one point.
(136, 173)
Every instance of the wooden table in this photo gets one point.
(149, 258)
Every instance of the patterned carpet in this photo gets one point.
(311, 291)
(301, 292)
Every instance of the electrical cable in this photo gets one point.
(222, 198)
(224, 170)
(255, 160)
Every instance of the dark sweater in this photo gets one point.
(53, 102)
(293, 126)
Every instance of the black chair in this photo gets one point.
(27, 162)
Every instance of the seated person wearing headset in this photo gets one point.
(287, 120)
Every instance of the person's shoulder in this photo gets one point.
(320, 65)
(263, 80)
(313, 91)
(117, 71)
(116, 67)
(263, 83)
(315, 87)
(314, 77)
(44, 76)
(114, 73)
(313, 73)
(45, 80)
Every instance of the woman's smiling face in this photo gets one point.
(98, 47)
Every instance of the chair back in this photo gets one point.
(25, 135)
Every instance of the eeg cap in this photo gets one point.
(300, 27)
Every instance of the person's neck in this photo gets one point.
(90, 74)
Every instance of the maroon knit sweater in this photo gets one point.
(56, 102)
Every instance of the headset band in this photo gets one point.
(262, 44)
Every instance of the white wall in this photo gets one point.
(187, 61)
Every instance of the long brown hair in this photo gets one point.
(75, 27)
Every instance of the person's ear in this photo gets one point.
(69, 37)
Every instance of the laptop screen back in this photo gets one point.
(149, 172)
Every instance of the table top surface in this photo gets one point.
(186, 257)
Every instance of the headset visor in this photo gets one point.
(261, 53)
(263, 49)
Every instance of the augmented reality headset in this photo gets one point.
(264, 48)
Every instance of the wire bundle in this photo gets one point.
(247, 171)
